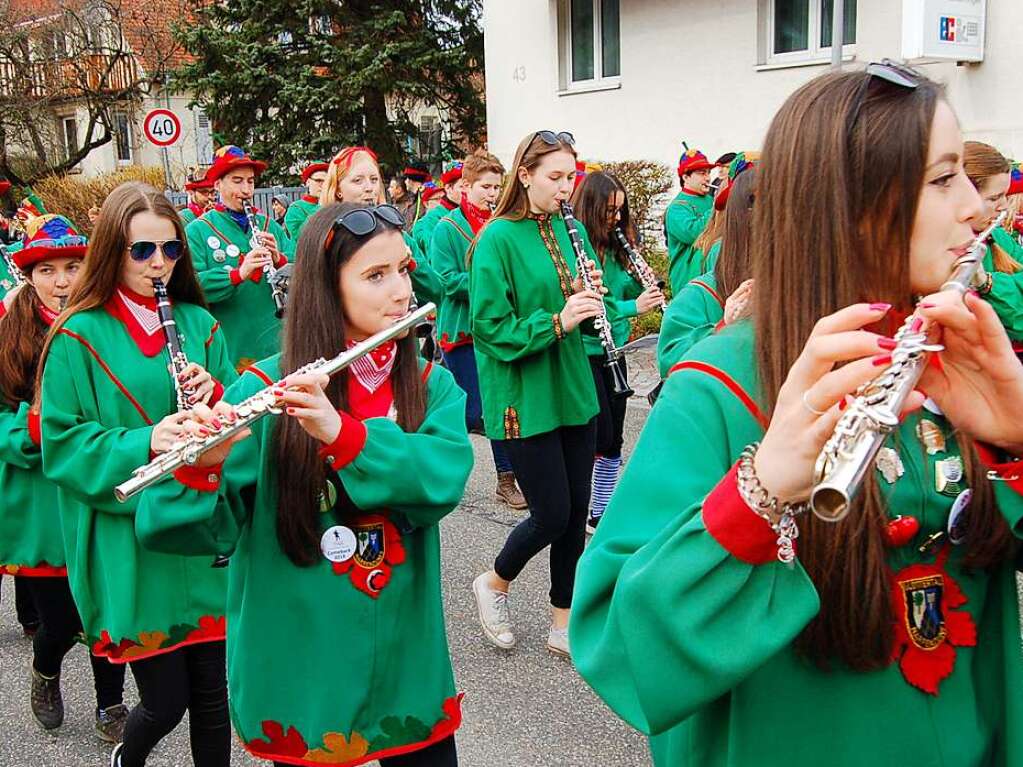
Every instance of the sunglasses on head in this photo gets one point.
(143, 250)
(551, 138)
(889, 71)
(362, 221)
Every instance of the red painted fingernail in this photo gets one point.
(918, 322)
(278, 392)
(216, 424)
(974, 293)
(881, 359)
(291, 411)
(843, 404)
(232, 417)
(886, 343)
(927, 305)
(880, 307)
(204, 432)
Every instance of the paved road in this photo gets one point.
(523, 709)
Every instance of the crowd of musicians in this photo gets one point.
(286, 582)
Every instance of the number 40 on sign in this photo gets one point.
(162, 127)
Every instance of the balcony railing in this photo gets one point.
(68, 78)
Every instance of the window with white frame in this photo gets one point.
(122, 137)
(590, 42)
(800, 30)
(69, 136)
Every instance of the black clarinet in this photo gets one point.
(615, 359)
(647, 277)
(178, 360)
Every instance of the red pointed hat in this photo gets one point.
(431, 190)
(314, 167)
(692, 160)
(229, 157)
(452, 172)
(49, 236)
(199, 183)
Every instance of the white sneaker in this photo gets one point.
(492, 606)
(557, 642)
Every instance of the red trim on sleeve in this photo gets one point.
(281, 260)
(109, 372)
(213, 332)
(218, 393)
(348, 443)
(735, 526)
(256, 276)
(728, 381)
(205, 479)
(259, 374)
(235, 276)
(709, 289)
(1011, 472)
(427, 370)
(35, 432)
(721, 324)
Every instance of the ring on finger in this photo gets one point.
(810, 407)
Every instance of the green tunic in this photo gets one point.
(693, 645)
(425, 282)
(691, 316)
(244, 308)
(298, 213)
(684, 220)
(187, 216)
(320, 669)
(533, 376)
(30, 541)
(7, 281)
(100, 399)
(451, 240)
(423, 230)
(1006, 294)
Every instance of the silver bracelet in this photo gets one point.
(767, 506)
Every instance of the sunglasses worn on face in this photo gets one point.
(889, 71)
(143, 250)
(552, 138)
(364, 220)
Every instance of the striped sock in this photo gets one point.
(605, 477)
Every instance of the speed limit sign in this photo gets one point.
(162, 127)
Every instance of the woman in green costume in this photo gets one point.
(526, 305)
(331, 513)
(108, 404)
(892, 636)
(30, 542)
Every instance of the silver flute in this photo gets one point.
(647, 277)
(874, 412)
(252, 409)
(276, 280)
(600, 323)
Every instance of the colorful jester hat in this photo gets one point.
(49, 236)
(230, 157)
(743, 161)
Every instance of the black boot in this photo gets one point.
(47, 702)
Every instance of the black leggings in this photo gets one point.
(24, 605)
(58, 632)
(440, 754)
(611, 418)
(554, 471)
(193, 678)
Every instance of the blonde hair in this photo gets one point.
(478, 163)
(339, 168)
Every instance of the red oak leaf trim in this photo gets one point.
(41, 570)
(210, 629)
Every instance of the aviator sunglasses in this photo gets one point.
(143, 250)
(551, 138)
(364, 220)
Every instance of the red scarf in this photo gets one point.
(196, 209)
(150, 344)
(476, 217)
(447, 203)
(310, 198)
(369, 386)
(47, 315)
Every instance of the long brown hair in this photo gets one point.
(21, 344)
(108, 247)
(982, 161)
(837, 196)
(514, 201)
(735, 263)
(590, 201)
(318, 330)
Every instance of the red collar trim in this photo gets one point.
(147, 301)
(447, 203)
(363, 404)
(149, 345)
(47, 315)
(309, 198)
(691, 193)
(196, 209)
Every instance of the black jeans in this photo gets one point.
(440, 754)
(554, 471)
(611, 418)
(58, 632)
(193, 678)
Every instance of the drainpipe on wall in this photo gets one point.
(837, 33)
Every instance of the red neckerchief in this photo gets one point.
(476, 217)
(149, 345)
(374, 369)
(196, 209)
(447, 203)
(47, 315)
(310, 198)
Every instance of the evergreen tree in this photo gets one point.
(295, 80)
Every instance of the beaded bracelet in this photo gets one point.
(767, 507)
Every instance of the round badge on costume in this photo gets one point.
(233, 250)
(958, 517)
(338, 543)
(328, 496)
(213, 242)
(219, 255)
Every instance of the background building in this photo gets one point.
(632, 79)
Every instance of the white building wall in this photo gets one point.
(689, 71)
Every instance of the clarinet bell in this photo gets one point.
(619, 383)
(220, 561)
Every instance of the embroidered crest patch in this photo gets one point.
(378, 550)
